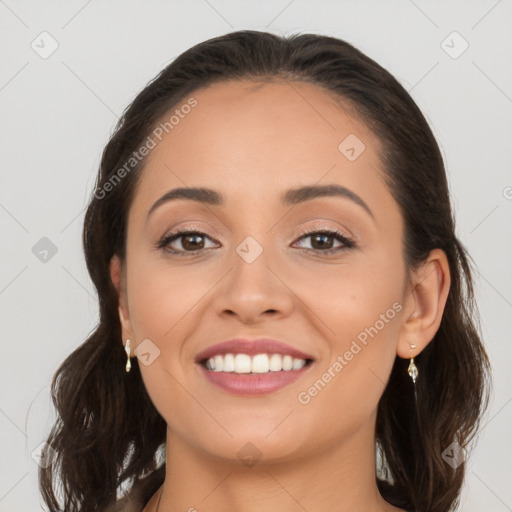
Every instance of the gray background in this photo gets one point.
(57, 113)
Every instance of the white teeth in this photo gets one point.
(298, 364)
(217, 364)
(275, 363)
(260, 363)
(228, 364)
(242, 363)
(287, 363)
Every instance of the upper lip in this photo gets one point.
(251, 347)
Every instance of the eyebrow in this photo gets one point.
(289, 198)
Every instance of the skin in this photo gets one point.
(251, 141)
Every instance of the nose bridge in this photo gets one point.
(252, 288)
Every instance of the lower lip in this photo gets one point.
(253, 383)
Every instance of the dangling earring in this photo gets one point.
(413, 370)
(127, 350)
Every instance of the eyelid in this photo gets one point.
(324, 224)
(194, 225)
(332, 231)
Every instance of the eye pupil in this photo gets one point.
(194, 245)
(323, 244)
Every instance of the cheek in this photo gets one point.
(358, 308)
(161, 302)
(346, 388)
(161, 297)
(351, 297)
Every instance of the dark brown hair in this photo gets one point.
(108, 430)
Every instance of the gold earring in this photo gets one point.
(413, 370)
(127, 350)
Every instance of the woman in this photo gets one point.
(285, 309)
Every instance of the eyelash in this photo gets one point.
(348, 243)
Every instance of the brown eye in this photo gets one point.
(322, 242)
(192, 242)
(183, 242)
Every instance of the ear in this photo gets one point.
(118, 276)
(424, 304)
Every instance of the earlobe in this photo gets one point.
(426, 302)
(121, 318)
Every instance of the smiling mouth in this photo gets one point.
(254, 364)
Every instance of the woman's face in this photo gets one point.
(257, 270)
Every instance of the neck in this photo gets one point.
(340, 479)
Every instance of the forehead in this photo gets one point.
(252, 140)
(257, 112)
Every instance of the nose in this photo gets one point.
(254, 291)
